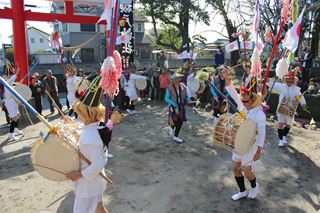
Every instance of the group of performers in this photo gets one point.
(94, 137)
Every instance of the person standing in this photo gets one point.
(249, 102)
(193, 95)
(50, 84)
(219, 57)
(71, 96)
(177, 98)
(162, 60)
(306, 68)
(219, 84)
(288, 92)
(36, 90)
(128, 79)
(93, 144)
(155, 86)
(12, 106)
(164, 83)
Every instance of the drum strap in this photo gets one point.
(178, 96)
(80, 83)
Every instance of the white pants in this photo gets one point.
(12, 107)
(86, 204)
(282, 118)
(246, 159)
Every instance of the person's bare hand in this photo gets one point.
(74, 176)
(257, 155)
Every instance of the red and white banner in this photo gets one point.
(291, 39)
(123, 39)
(249, 45)
(232, 46)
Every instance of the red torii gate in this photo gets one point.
(19, 16)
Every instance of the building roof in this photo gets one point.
(143, 38)
(34, 28)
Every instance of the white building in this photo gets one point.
(37, 40)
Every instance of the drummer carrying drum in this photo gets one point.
(249, 105)
(289, 98)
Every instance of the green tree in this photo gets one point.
(169, 37)
(176, 14)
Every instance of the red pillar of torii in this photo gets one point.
(19, 16)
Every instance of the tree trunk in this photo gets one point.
(315, 36)
(234, 55)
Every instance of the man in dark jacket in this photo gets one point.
(50, 84)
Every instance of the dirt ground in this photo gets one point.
(153, 174)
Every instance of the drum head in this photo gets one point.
(141, 84)
(56, 154)
(24, 91)
(80, 84)
(245, 137)
(116, 117)
(194, 85)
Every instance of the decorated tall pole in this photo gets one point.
(284, 16)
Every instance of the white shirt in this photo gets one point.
(130, 87)
(292, 92)
(7, 94)
(190, 77)
(91, 146)
(71, 89)
(256, 114)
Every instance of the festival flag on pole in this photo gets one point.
(249, 45)
(231, 46)
(291, 39)
(123, 39)
(107, 13)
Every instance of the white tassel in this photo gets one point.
(282, 68)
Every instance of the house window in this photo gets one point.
(32, 40)
(139, 27)
(87, 27)
(137, 52)
(64, 27)
(87, 54)
(145, 54)
(41, 40)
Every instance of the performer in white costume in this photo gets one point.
(128, 84)
(248, 103)
(93, 141)
(289, 97)
(12, 106)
